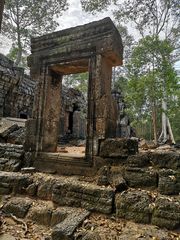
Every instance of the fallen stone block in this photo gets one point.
(60, 214)
(134, 205)
(32, 189)
(17, 136)
(85, 195)
(45, 189)
(169, 160)
(15, 182)
(141, 177)
(41, 215)
(8, 130)
(169, 182)
(17, 207)
(138, 160)
(118, 147)
(166, 212)
(65, 229)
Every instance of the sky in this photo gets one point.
(72, 17)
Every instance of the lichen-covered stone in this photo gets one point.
(166, 212)
(32, 189)
(84, 195)
(59, 215)
(89, 235)
(41, 215)
(65, 229)
(138, 160)
(167, 160)
(118, 182)
(7, 131)
(14, 182)
(141, 177)
(11, 157)
(169, 182)
(17, 136)
(118, 147)
(45, 189)
(134, 205)
(17, 207)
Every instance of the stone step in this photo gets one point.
(64, 164)
(62, 221)
(11, 157)
(10, 165)
(141, 206)
(148, 207)
(64, 191)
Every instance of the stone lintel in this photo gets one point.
(75, 45)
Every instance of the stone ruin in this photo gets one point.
(17, 95)
(112, 178)
(16, 90)
(55, 55)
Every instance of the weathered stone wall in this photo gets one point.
(147, 185)
(17, 96)
(143, 187)
(16, 90)
(73, 113)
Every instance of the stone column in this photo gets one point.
(102, 113)
(43, 129)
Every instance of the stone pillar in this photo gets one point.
(102, 112)
(43, 129)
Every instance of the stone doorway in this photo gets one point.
(95, 48)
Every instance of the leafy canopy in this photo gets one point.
(23, 18)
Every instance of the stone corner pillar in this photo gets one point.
(42, 130)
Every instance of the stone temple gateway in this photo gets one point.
(95, 48)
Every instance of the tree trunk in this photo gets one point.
(154, 119)
(166, 133)
(170, 131)
(1, 11)
(19, 53)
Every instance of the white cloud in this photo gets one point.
(72, 17)
(75, 16)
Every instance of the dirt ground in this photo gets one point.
(107, 227)
(71, 149)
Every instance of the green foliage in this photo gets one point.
(77, 81)
(151, 79)
(96, 5)
(24, 18)
(13, 56)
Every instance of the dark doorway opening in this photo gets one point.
(23, 115)
(70, 128)
(71, 120)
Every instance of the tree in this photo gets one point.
(119, 75)
(149, 79)
(23, 18)
(157, 18)
(94, 6)
(150, 17)
(78, 81)
(1, 11)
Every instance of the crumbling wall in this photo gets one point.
(73, 113)
(17, 96)
(16, 90)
